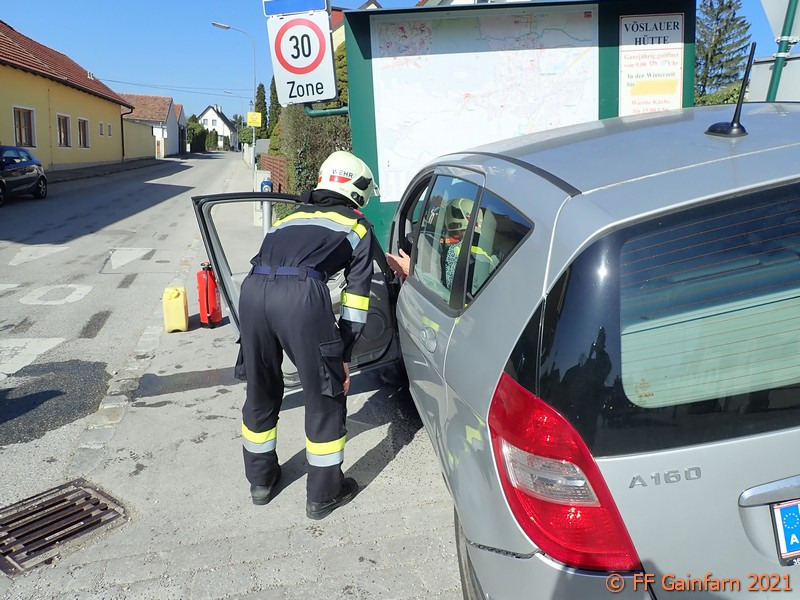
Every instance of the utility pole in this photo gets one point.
(253, 101)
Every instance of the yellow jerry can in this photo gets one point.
(176, 310)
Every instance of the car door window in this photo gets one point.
(442, 229)
(498, 230)
(239, 228)
(10, 156)
(409, 220)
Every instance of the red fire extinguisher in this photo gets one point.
(208, 295)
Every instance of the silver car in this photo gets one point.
(601, 332)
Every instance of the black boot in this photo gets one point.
(320, 510)
(262, 494)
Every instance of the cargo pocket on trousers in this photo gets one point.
(331, 368)
(238, 369)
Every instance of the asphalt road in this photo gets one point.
(77, 268)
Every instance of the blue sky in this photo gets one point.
(169, 48)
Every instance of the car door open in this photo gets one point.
(232, 228)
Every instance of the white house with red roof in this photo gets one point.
(159, 113)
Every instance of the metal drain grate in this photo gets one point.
(33, 531)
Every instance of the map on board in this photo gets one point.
(454, 80)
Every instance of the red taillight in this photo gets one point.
(553, 485)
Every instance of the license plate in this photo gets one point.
(786, 519)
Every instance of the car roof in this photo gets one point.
(621, 170)
(599, 154)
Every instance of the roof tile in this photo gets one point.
(148, 108)
(21, 52)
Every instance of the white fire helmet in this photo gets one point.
(348, 175)
(457, 214)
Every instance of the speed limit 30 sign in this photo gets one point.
(302, 58)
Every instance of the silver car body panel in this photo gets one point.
(457, 429)
(424, 341)
(503, 576)
(489, 327)
(619, 184)
(687, 528)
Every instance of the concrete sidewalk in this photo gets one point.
(166, 445)
(55, 177)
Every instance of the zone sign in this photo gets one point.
(302, 59)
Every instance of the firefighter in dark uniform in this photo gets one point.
(285, 306)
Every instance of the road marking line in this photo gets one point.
(34, 253)
(76, 292)
(122, 256)
(16, 353)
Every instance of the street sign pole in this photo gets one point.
(254, 120)
(788, 37)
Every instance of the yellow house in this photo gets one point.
(57, 109)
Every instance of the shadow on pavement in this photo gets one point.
(390, 404)
(82, 385)
(89, 205)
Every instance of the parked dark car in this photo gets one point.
(20, 173)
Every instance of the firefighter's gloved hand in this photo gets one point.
(346, 384)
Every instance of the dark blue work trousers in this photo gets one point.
(292, 315)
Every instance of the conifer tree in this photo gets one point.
(721, 45)
(261, 106)
(274, 108)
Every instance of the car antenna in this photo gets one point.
(735, 128)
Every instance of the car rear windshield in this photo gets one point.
(680, 330)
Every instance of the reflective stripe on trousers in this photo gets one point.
(259, 443)
(325, 454)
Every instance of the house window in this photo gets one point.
(83, 133)
(101, 128)
(205, 121)
(23, 127)
(213, 122)
(63, 131)
(109, 130)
